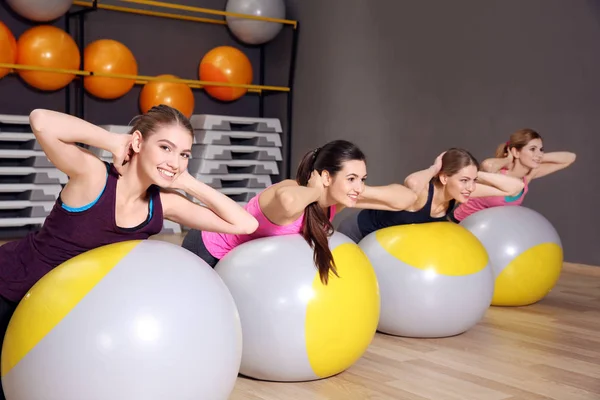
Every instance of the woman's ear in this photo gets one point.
(326, 178)
(136, 141)
(443, 178)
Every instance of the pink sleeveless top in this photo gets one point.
(219, 244)
(481, 203)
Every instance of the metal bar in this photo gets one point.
(68, 88)
(79, 83)
(151, 13)
(210, 11)
(290, 102)
(195, 84)
(261, 77)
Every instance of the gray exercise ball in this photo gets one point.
(40, 10)
(251, 31)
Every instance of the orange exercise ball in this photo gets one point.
(110, 57)
(225, 64)
(176, 95)
(8, 48)
(47, 46)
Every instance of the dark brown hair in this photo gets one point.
(454, 160)
(518, 140)
(159, 116)
(317, 226)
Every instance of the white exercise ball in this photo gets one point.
(132, 320)
(40, 10)
(252, 31)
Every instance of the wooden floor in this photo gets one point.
(550, 350)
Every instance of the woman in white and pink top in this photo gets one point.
(522, 157)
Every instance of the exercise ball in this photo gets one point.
(525, 252)
(176, 95)
(252, 31)
(225, 64)
(132, 320)
(40, 10)
(294, 327)
(110, 57)
(435, 279)
(8, 48)
(50, 47)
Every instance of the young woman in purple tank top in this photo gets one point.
(449, 180)
(521, 157)
(328, 179)
(106, 203)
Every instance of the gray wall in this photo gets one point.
(406, 80)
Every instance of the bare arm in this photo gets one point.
(491, 184)
(494, 165)
(418, 181)
(392, 197)
(58, 134)
(552, 162)
(220, 213)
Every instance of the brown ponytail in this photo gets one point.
(518, 140)
(317, 227)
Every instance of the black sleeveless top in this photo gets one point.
(372, 220)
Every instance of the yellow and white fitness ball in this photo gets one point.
(525, 252)
(132, 320)
(434, 278)
(294, 327)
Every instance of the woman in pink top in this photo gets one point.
(522, 157)
(327, 180)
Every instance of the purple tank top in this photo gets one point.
(67, 233)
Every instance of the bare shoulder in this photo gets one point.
(270, 192)
(84, 188)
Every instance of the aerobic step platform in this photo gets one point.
(207, 122)
(220, 152)
(29, 183)
(226, 138)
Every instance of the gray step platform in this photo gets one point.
(225, 138)
(200, 166)
(8, 119)
(235, 180)
(24, 158)
(117, 128)
(27, 212)
(230, 123)
(218, 152)
(32, 175)
(28, 191)
(18, 222)
(22, 204)
(6, 144)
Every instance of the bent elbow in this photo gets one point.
(487, 166)
(251, 226)
(518, 189)
(36, 119)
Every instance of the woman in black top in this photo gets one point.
(452, 178)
